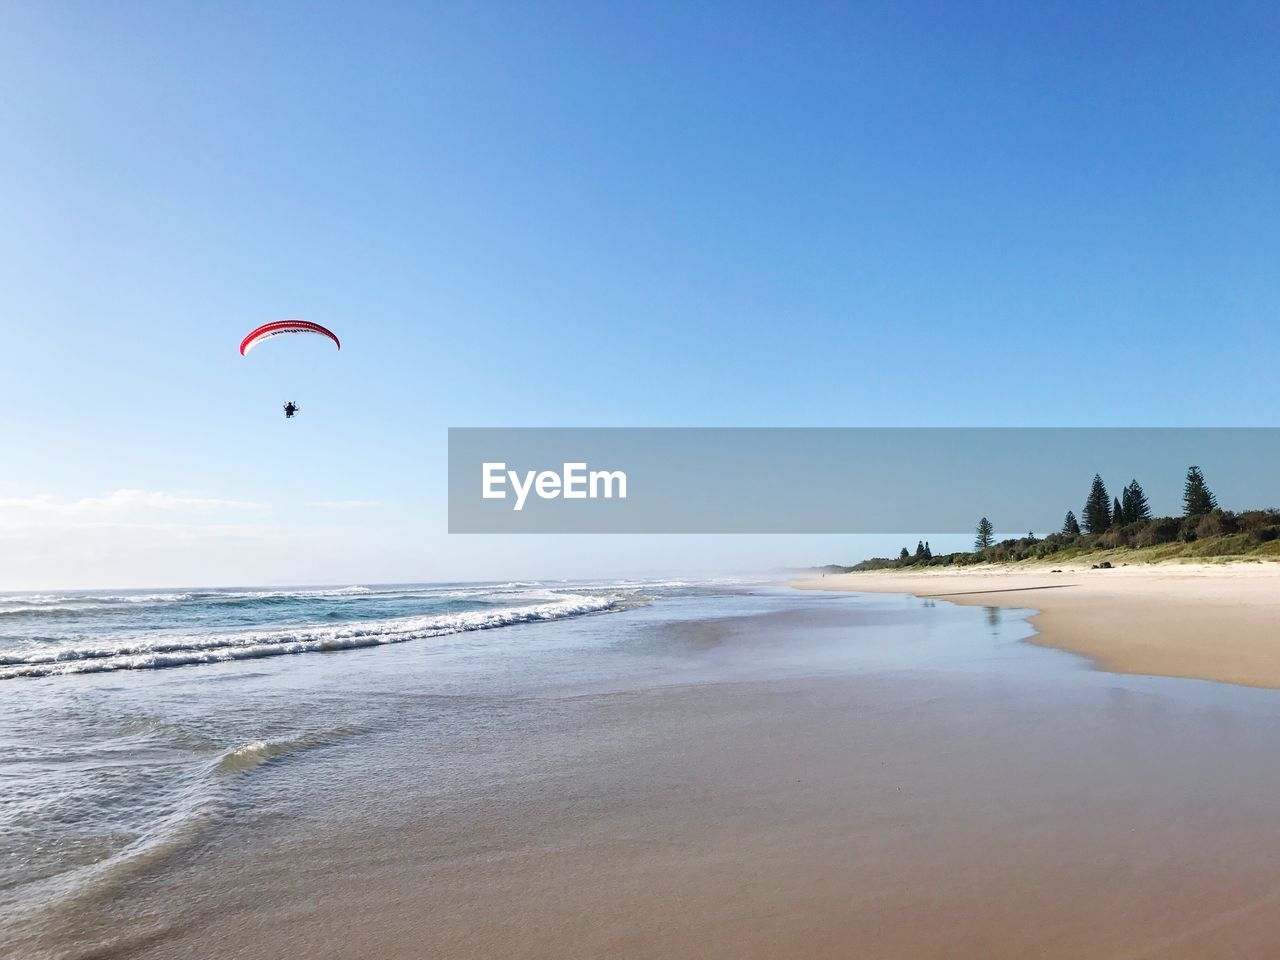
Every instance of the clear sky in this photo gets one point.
(593, 214)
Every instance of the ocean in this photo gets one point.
(48, 634)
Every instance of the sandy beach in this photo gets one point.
(1201, 621)
(811, 819)
(744, 772)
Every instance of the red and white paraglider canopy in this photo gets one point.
(274, 329)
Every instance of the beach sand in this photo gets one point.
(1202, 621)
(809, 819)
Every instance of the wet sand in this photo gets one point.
(1203, 621)
(1011, 806)
(815, 819)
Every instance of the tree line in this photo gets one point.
(1107, 521)
(1102, 512)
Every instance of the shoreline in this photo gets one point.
(1016, 810)
(1197, 621)
(741, 776)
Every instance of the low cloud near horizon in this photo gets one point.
(135, 537)
(148, 538)
(113, 504)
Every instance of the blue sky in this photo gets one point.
(591, 214)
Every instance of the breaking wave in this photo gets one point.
(170, 651)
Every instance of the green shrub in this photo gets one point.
(1215, 523)
(1118, 537)
(1155, 532)
(1251, 520)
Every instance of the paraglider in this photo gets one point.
(275, 329)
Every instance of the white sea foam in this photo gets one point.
(16, 605)
(255, 753)
(152, 653)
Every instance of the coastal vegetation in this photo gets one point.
(1119, 529)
